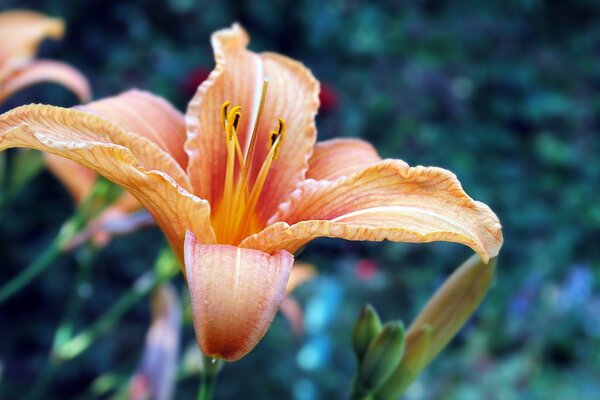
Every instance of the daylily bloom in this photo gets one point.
(247, 187)
(21, 33)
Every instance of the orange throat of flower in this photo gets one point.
(235, 216)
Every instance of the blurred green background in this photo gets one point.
(504, 94)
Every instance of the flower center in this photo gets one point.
(235, 217)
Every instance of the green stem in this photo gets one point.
(208, 377)
(102, 194)
(207, 387)
(34, 269)
(79, 343)
(359, 392)
(64, 331)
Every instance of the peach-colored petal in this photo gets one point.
(238, 77)
(147, 115)
(21, 33)
(128, 160)
(389, 201)
(46, 71)
(335, 158)
(235, 294)
(294, 96)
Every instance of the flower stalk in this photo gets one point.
(166, 267)
(101, 196)
(209, 372)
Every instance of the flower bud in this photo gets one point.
(440, 320)
(366, 328)
(383, 356)
(413, 362)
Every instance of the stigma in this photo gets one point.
(235, 215)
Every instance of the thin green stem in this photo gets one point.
(207, 387)
(165, 268)
(102, 195)
(33, 270)
(208, 377)
(80, 342)
(359, 392)
(64, 331)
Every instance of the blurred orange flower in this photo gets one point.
(21, 33)
(246, 187)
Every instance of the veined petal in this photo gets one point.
(335, 158)
(149, 116)
(46, 71)
(21, 33)
(389, 201)
(127, 160)
(238, 77)
(235, 294)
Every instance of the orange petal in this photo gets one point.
(294, 96)
(149, 116)
(335, 158)
(389, 201)
(235, 294)
(128, 160)
(238, 77)
(21, 33)
(46, 71)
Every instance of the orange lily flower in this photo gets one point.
(247, 186)
(21, 33)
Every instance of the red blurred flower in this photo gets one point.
(194, 79)
(328, 97)
(366, 269)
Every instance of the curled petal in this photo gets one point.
(127, 160)
(335, 158)
(21, 33)
(46, 71)
(389, 201)
(147, 115)
(235, 294)
(238, 77)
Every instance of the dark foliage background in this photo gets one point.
(505, 94)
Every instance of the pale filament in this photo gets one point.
(235, 216)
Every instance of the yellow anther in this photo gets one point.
(279, 138)
(224, 114)
(233, 120)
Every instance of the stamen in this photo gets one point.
(235, 215)
(224, 114)
(279, 139)
(254, 137)
(261, 178)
